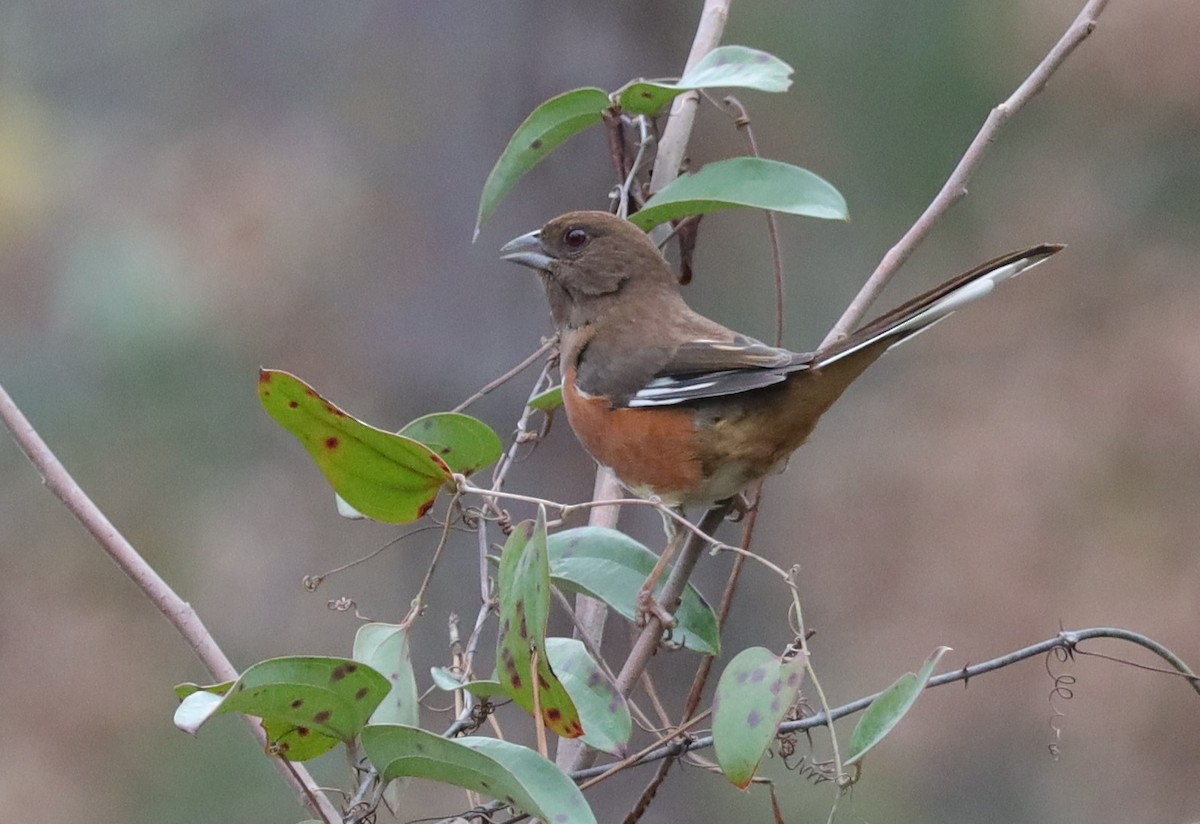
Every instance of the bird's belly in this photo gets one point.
(652, 451)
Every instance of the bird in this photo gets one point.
(683, 409)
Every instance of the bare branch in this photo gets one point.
(956, 185)
(176, 610)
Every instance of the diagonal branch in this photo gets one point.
(956, 185)
(176, 610)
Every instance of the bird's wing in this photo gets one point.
(699, 369)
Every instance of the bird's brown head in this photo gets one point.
(587, 260)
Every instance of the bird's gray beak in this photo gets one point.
(527, 250)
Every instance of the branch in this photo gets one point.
(956, 185)
(672, 147)
(1067, 640)
(176, 610)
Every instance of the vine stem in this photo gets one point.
(1066, 639)
(177, 611)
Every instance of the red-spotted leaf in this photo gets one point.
(384, 476)
(297, 698)
(723, 67)
(754, 694)
(752, 182)
(464, 443)
(546, 127)
(612, 567)
(524, 593)
(892, 704)
(513, 775)
(602, 709)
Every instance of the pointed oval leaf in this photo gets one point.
(296, 742)
(547, 401)
(723, 67)
(752, 182)
(387, 477)
(754, 694)
(602, 709)
(330, 697)
(543, 131)
(446, 680)
(524, 594)
(464, 443)
(507, 772)
(612, 567)
(892, 704)
(384, 648)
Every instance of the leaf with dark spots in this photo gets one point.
(524, 595)
(603, 711)
(387, 477)
(748, 706)
(308, 704)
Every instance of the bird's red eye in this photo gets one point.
(575, 238)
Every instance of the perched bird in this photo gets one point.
(677, 405)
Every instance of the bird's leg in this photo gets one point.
(646, 603)
(740, 506)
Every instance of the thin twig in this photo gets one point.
(546, 346)
(176, 610)
(743, 123)
(956, 185)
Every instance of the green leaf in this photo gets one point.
(612, 567)
(387, 477)
(602, 709)
(543, 131)
(754, 694)
(296, 697)
(446, 680)
(384, 648)
(524, 594)
(891, 705)
(464, 443)
(547, 401)
(723, 67)
(744, 181)
(507, 772)
(296, 742)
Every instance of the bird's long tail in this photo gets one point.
(925, 310)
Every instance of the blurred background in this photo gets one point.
(191, 190)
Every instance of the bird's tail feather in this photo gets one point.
(925, 310)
